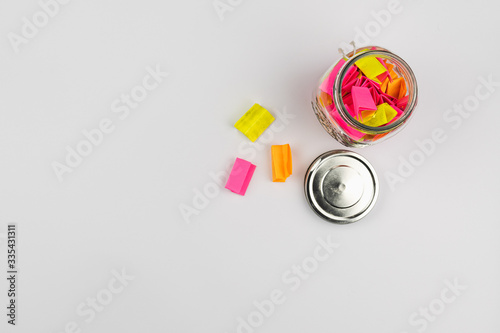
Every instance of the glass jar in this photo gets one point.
(334, 93)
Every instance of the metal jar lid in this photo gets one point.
(341, 186)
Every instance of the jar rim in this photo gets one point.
(402, 65)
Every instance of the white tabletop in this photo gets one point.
(136, 235)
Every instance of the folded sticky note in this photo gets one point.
(401, 103)
(403, 90)
(254, 122)
(350, 79)
(384, 114)
(347, 99)
(352, 73)
(385, 83)
(393, 75)
(385, 74)
(240, 176)
(282, 162)
(327, 84)
(363, 101)
(375, 95)
(346, 88)
(397, 88)
(373, 84)
(390, 73)
(371, 67)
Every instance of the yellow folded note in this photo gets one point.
(384, 114)
(371, 67)
(254, 122)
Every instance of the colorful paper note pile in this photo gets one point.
(240, 176)
(282, 162)
(362, 90)
(372, 92)
(254, 122)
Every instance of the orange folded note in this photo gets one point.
(384, 85)
(397, 88)
(282, 162)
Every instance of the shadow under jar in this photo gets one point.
(333, 96)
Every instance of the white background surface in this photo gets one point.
(120, 208)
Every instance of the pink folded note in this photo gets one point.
(346, 89)
(374, 84)
(347, 99)
(375, 96)
(327, 84)
(385, 74)
(363, 101)
(388, 99)
(350, 79)
(401, 103)
(351, 74)
(240, 176)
